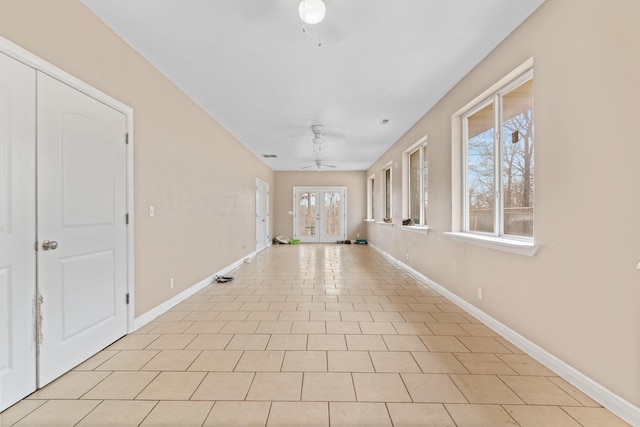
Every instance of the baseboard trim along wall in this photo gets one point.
(605, 397)
(147, 317)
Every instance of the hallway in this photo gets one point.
(312, 335)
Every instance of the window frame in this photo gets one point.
(495, 98)
(371, 193)
(421, 146)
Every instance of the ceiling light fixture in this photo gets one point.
(312, 11)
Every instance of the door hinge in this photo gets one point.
(127, 299)
(36, 246)
(126, 218)
(126, 138)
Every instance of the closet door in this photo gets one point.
(82, 260)
(17, 231)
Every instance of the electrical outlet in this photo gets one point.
(152, 211)
(479, 293)
(171, 283)
(638, 266)
(357, 235)
(407, 256)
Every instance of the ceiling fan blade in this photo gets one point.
(310, 166)
(328, 166)
(335, 135)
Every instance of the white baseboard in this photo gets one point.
(147, 317)
(605, 397)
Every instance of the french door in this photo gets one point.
(320, 214)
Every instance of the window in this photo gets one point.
(499, 162)
(371, 197)
(387, 193)
(416, 189)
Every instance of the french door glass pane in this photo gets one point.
(332, 209)
(307, 212)
(517, 160)
(414, 186)
(481, 170)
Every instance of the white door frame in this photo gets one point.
(320, 213)
(16, 52)
(260, 246)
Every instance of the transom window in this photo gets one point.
(499, 162)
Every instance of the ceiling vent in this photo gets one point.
(269, 156)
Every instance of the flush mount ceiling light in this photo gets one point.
(312, 11)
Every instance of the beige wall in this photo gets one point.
(579, 296)
(356, 198)
(199, 178)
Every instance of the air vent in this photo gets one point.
(269, 156)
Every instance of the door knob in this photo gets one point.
(49, 245)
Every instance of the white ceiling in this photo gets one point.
(249, 64)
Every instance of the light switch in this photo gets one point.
(152, 211)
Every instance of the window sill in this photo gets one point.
(416, 229)
(499, 243)
(390, 224)
(369, 220)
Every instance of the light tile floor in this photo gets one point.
(312, 335)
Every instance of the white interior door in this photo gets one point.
(262, 215)
(320, 214)
(81, 179)
(17, 231)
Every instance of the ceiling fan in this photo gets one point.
(320, 136)
(318, 131)
(319, 165)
